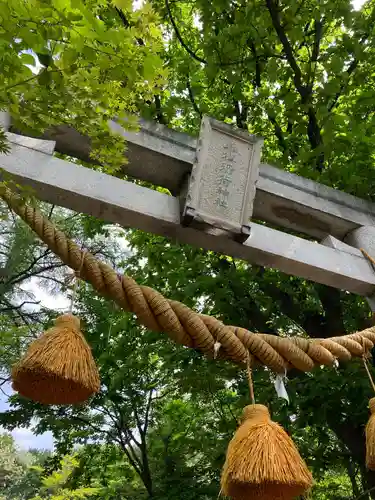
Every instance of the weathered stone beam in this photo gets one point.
(114, 200)
(165, 157)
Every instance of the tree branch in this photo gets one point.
(125, 21)
(142, 446)
(279, 133)
(305, 91)
(330, 323)
(27, 318)
(354, 64)
(352, 67)
(55, 280)
(135, 464)
(36, 274)
(124, 428)
(148, 409)
(330, 299)
(241, 110)
(51, 211)
(257, 83)
(14, 308)
(318, 31)
(159, 115)
(90, 424)
(192, 98)
(138, 422)
(166, 393)
(276, 21)
(31, 265)
(179, 37)
(257, 80)
(129, 447)
(126, 445)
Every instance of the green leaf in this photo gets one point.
(72, 16)
(151, 66)
(124, 4)
(45, 59)
(89, 53)
(28, 59)
(44, 77)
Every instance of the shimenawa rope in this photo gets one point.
(182, 324)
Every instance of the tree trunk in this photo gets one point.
(352, 436)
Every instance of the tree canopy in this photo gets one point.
(78, 63)
(300, 74)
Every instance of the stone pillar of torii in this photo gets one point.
(217, 186)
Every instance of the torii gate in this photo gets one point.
(217, 185)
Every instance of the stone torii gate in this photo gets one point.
(218, 184)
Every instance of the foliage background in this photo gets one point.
(299, 73)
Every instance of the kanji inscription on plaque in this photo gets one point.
(223, 180)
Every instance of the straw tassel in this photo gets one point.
(58, 367)
(370, 427)
(370, 437)
(262, 462)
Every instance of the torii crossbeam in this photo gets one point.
(217, 185)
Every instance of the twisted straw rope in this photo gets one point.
(184, 325)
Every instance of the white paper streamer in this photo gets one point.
(217, 346)
(280, 387)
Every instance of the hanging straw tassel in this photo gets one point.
(370, 427)
(262, 462)
(58, 367)
(370, 437)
